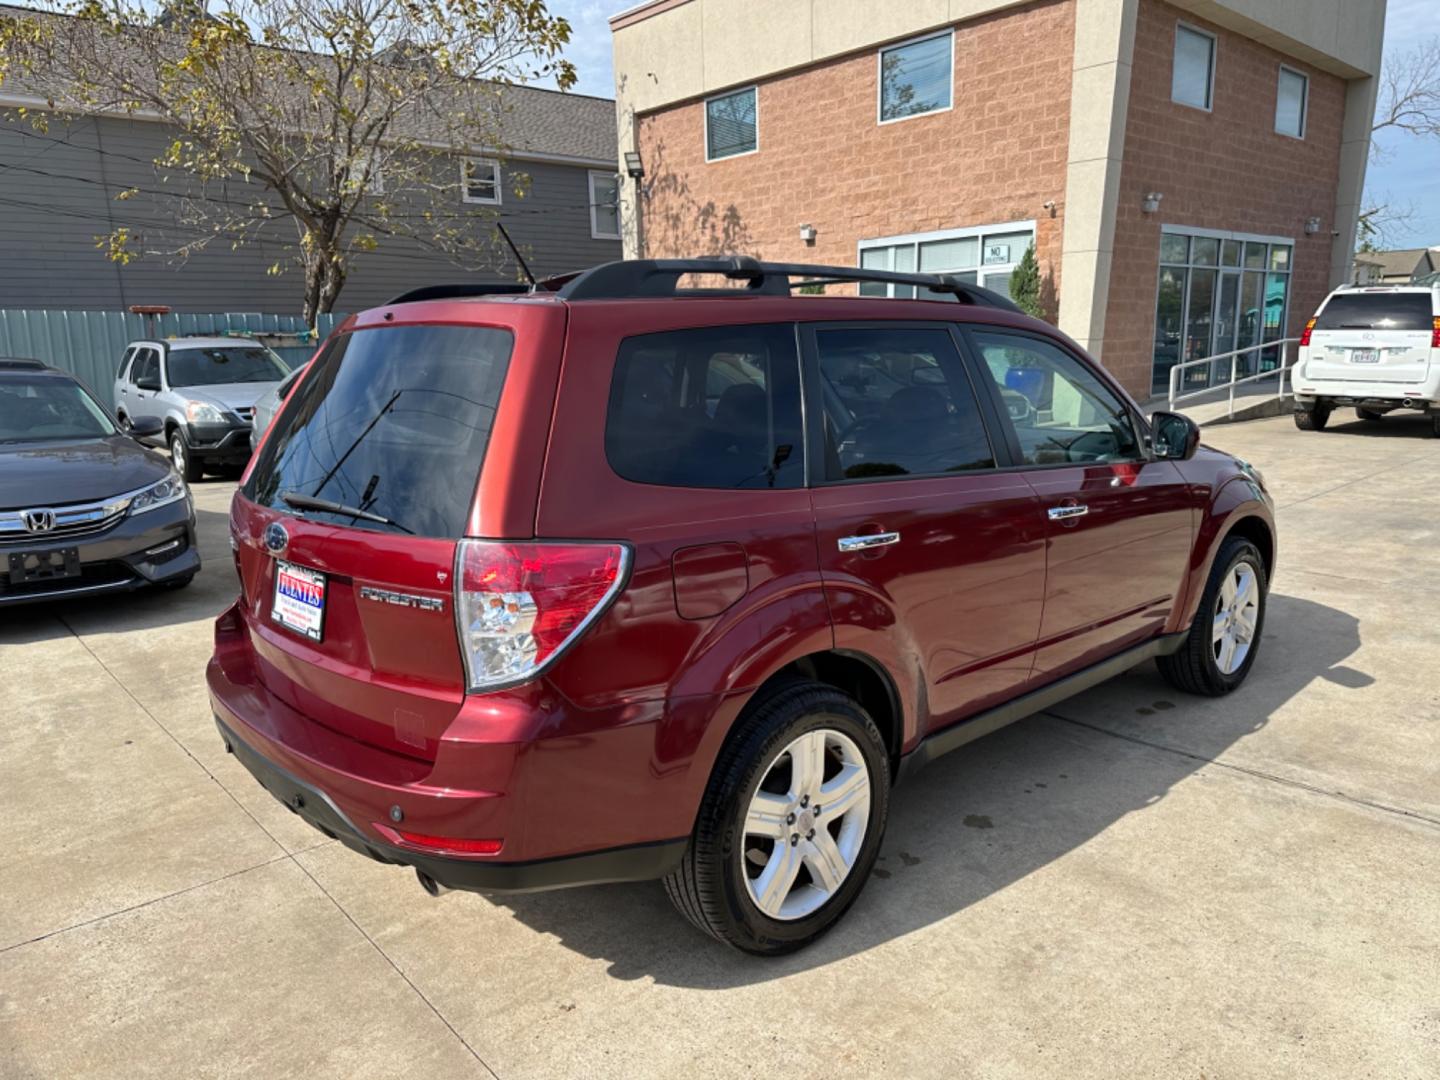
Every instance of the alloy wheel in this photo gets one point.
(177, 454)
(1237, 610)
(805, 824)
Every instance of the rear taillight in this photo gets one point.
(1305, 335)
(1435, 333)
(518, 606)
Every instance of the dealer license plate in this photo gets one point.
(299, 603)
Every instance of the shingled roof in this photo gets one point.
(532, 120)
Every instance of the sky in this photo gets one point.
(1405, 172)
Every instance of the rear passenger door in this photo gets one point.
(1119, 522)
(933, 559)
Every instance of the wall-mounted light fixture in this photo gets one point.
(807, 233)
(1312, 226)
(634, 168)
(1151, 202)
(1048, 207)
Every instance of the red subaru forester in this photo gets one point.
(623, 579)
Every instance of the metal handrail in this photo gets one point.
(1234, 357)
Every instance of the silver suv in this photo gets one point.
(203, 390)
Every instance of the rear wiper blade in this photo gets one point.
(310, 502)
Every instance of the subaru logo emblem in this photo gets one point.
(38, 521)
(276, 538)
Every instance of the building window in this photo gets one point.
(480, 181)
(1218, 292)
(604, 206)
(985, 256)
(363, 173)
(1193, 80)
(1291, 101)
(732, 125)
(915, 78)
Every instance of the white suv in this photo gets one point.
(1375, 348)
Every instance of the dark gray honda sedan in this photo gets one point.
(84, 508)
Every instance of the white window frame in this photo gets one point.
(1209, 106)
(465, 196)
(977, 232)
(595, 233)
(754, 88)
(368, 162)
(1304, 102)
(880, 77)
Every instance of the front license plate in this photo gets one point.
(299, 603)
(26, 566)
(1364, 356)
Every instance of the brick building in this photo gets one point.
(1189, 172)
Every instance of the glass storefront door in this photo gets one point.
(1218, 292)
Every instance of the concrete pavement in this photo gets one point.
(1134, 883)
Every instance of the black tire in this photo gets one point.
(1194, 668)
(709, 887)
(1435, 424)
(1370, 414)
(186, 463)
(1312, 419)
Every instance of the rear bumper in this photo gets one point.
(1386, 394)
(636, 862)
(575, 797)
(147, 549)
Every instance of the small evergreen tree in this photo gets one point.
(1025, 284)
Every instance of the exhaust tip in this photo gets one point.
(429, 884)
(1408, 403)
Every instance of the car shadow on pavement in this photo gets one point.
(985, 817)
(153, 608)
(1408, 425)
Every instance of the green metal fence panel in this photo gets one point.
(89, 344)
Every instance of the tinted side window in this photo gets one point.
(1061, 411)
(146, 368)
(717, 407)
(125, 362)
(897, 403)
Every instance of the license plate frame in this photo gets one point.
(47, 568)
(298, 600)
(1364, 356)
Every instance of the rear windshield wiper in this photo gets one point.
(310, 502)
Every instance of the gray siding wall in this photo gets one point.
(57, 198)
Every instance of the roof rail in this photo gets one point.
(459, 291)
(633, 278)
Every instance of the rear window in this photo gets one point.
(712, 408)
(1376, 311)
(394, 422)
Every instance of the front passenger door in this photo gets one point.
(1119, 521)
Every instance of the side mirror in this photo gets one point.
(145, 427)
(1175, 437)
(153, 385)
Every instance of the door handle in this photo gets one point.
(1060, 513)
(871, 540)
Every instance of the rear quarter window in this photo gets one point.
(1377, 311)
(394, 421)
(717, 407)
